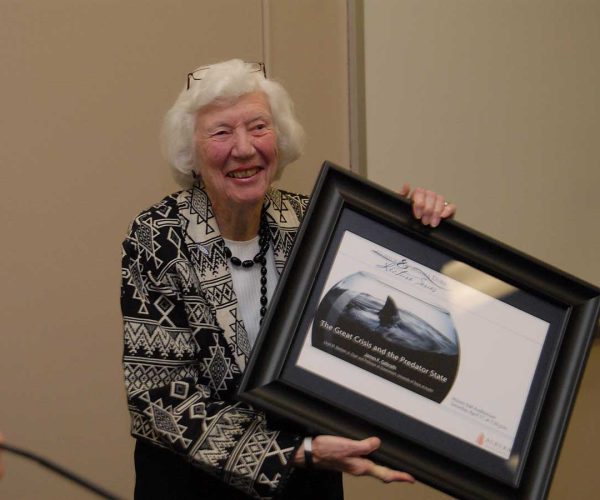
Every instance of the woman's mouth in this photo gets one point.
(243, 174)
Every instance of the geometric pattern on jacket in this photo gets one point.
(185, 345)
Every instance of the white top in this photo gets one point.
(246, 283)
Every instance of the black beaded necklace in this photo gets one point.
(259, 258)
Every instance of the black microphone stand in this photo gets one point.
(60, 470)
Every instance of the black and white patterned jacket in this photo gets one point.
(186, 346)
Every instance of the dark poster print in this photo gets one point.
(366, 282)
(390, 333)
(424, 344)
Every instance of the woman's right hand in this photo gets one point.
(348, 455)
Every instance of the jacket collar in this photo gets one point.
(206, 246)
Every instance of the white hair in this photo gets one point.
(226, 80)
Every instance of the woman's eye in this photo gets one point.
(259, 127)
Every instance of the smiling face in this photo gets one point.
(236, 148)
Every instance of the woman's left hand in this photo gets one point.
(429, 207)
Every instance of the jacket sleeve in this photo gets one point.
(170, 398)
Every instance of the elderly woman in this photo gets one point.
(199, 269)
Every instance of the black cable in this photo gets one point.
(59, 470)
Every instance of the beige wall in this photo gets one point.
(308, 55)
(496, 104)
(85, 83)
(84, 87)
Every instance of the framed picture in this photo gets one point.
(463, 355)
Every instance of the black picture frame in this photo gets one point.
(562, 308)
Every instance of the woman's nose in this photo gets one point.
(243, 146)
